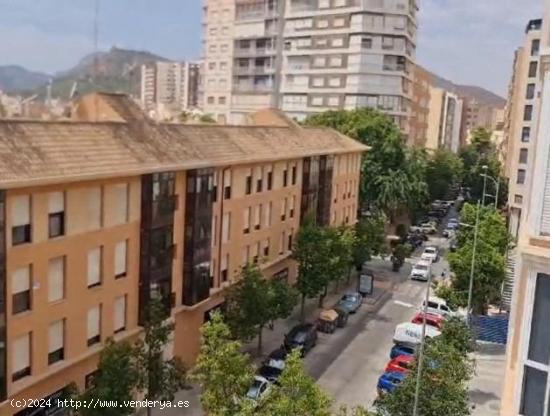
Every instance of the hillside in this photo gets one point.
(118, 70)
(481, 94)
(15, 78)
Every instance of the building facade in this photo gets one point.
(420, 107)
(444, 120)
(527, 387)
(175, 213)
(169, 88)
(309, 56)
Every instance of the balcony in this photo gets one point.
(253, 52)
(240, 88)
(253, 70)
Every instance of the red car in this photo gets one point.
(401, 364)
(431, 319)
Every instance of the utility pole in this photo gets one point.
(472, 266)
(485, 167)
(421, 351)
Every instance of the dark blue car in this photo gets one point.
(398, 350)
(388, 382)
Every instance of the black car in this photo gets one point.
(274, 365)
(303, 336)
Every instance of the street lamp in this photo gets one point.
(497, 185)
(472, 265)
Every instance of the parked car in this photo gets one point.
(449, 232)
(408, 333)
(388, 382)
(428, 228)
(400, 364)
(454, 222)
(438, 306)
(351, 301)
(303, 336)
(433, 320)
(421, 270)
(274, 365)
(430, 253)
(402, 349)
(258, 390)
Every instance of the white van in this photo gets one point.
(408, 333)
(439, 306)
(421, 270)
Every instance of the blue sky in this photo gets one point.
(467, 41)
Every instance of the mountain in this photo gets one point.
(116, 70)
(14, 78)
(481, 94)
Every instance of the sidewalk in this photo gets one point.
(384, 284)
(486, 385)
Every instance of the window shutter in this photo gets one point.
(94, 207)
(224, 263)
(56, 202)
(120, 257)
(226, 227)
(246, 219)
(227, 178)
(21, 210)
(21, 353)
(56, 336)
(56, 273)
(121, 203)
(120, 313)
(21, 280)
(94, 266)
(545, 217)
(93, 322)
(268, 214)
(258, 215)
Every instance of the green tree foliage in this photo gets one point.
(297, 393)
(391, 176)
(444, 171)
(490, 261)
(116, 379)
(443, 385)
(456, 333)
(207, 119)
(482, 152)
(159, 379)
(341, 243)
(224, 373)
(370, 239)
(253, 302)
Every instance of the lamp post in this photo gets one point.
(497, 186)
(472, 266)
(421, 350)
(484, 174)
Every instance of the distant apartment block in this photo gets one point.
(478, 114)
(176, 213)
(444, 120)
(309, 56)
(420, 107)
(169, 88)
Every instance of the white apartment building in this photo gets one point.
(444, 120)
(527, 382)
(309, 56)
(168, 88)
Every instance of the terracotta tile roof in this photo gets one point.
(37, 152)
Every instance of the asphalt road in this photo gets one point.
(352, 377)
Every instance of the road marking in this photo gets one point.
(405, 304)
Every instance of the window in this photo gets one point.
(518, 199)
(21, 220)
(282, 243)
(94, 325)
(366, 43)
(535, 47)
(210, 100)
(227, 184)
(55, 342)
(337, 42)
(523, 155)
(226, 227)
(223, 266)
(266, 247)
(120, 314)
(56, 279)
(317, 101)
(292, 206)
(335, 82)
(21, 357)
(258, 172)
(294, 174)
(322, 23)
(121, 249)
(21, 290)
(335, 61)
(318, 81)
(94, 266)
(94, 208)
(211, 65)
(268, 215)
(290, 240)
(246, 220)
(285, 177)
(533, 69)
(525, 134)
(56, 214)
(528, 113)
(530, 94)
(339, 22)
(283, 209)
(245, 254)
(221, 100)
(120, 193)
(258, 217)
(269, 178)
(333, 101)
(521, 176)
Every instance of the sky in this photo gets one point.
(466, 41)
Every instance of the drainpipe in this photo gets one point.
(220, 231)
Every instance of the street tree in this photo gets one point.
(223, 372)
(341, 243)
(390, 179)
(370, 239)
(456, 333)
(254, 301)
(444, 171)
(116, 379)
(443, 385)
(296, 393)
(159, 379)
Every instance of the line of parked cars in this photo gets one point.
(407, 338)
(303, 337)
